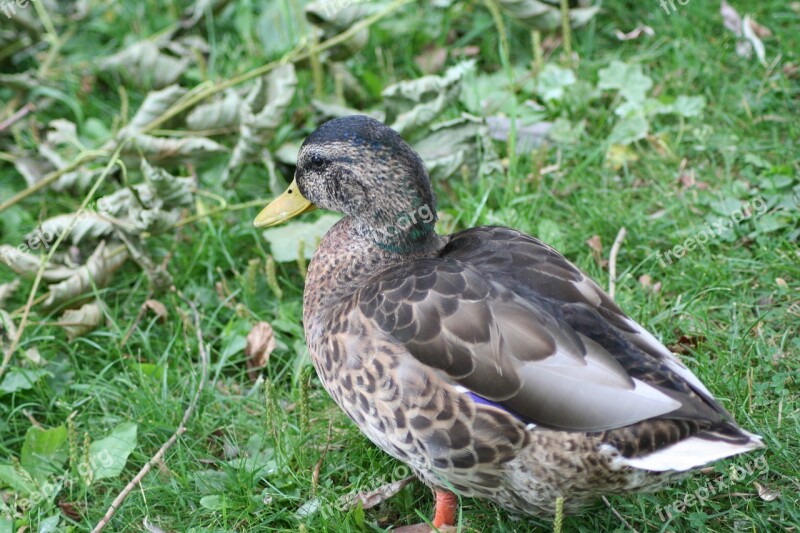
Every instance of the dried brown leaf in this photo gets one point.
(765, 493)
(539, 15)
(73, 511)
(414, 104)
(223, 113)
(27, 264)
(646, 281)
(260, 344)
(159, 309)
(432, 59)
(78, 322)
(634, 33)
(686, 343)
(375, 497)
(153, 106)
(145, 64)
(8, 289)
(262, 112)
(172, 150)
(596, 245)
(760, 30)
(97, 271)
(731, 18)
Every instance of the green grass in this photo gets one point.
(734, 297)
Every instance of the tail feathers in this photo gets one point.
(721, 441)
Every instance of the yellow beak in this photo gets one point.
(288, 205)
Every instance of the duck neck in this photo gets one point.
(400, 231)
(348, 255)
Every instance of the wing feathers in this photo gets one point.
(514, 322)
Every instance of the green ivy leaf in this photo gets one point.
(285, 240)
(629, 80)
(689, 106)
(629, 129)
(44, 451)
(21, 379)
(552, 81)
(107, 457)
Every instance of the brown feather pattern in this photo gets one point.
(485, 360)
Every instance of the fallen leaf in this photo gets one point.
(97, 272)
(753, 39)
(730, 18)
(158, 308)
(528, 136)
(334, 18)
(546, 16)
(145, 64)
(635, 33)
(153, 106)
(414, 104)
(466, 51)
(86, 225)
(27, 264)
(171, 150)
(262, 113)
(223, 113)
(369, 499)
(8, 289)
(686, 343)
(431, 59)
(458, 147)
(290, 239)
(765, 493)
(747, 30)
(760, 30)
(260, 344)
(596, 245)
(152, 528)
(646, 281)
(34, 356)
(72, 510)
(78, 322)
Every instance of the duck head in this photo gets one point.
(360, 167)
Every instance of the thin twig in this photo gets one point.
(296, 55)
(158, 457)
(221, 209)
(203, 91)
(85, 157)
(17, 116)
(46, 259)
(612, 262)
(616, 513)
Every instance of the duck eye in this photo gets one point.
(317, 161)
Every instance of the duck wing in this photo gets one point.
(482, 315)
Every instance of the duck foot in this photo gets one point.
(444, 515)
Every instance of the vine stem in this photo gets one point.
(206, 90)
(181, 429)
(46, 259)
(300, 53)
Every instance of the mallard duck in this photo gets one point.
(484, 360)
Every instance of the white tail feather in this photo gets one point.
(692, 453)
